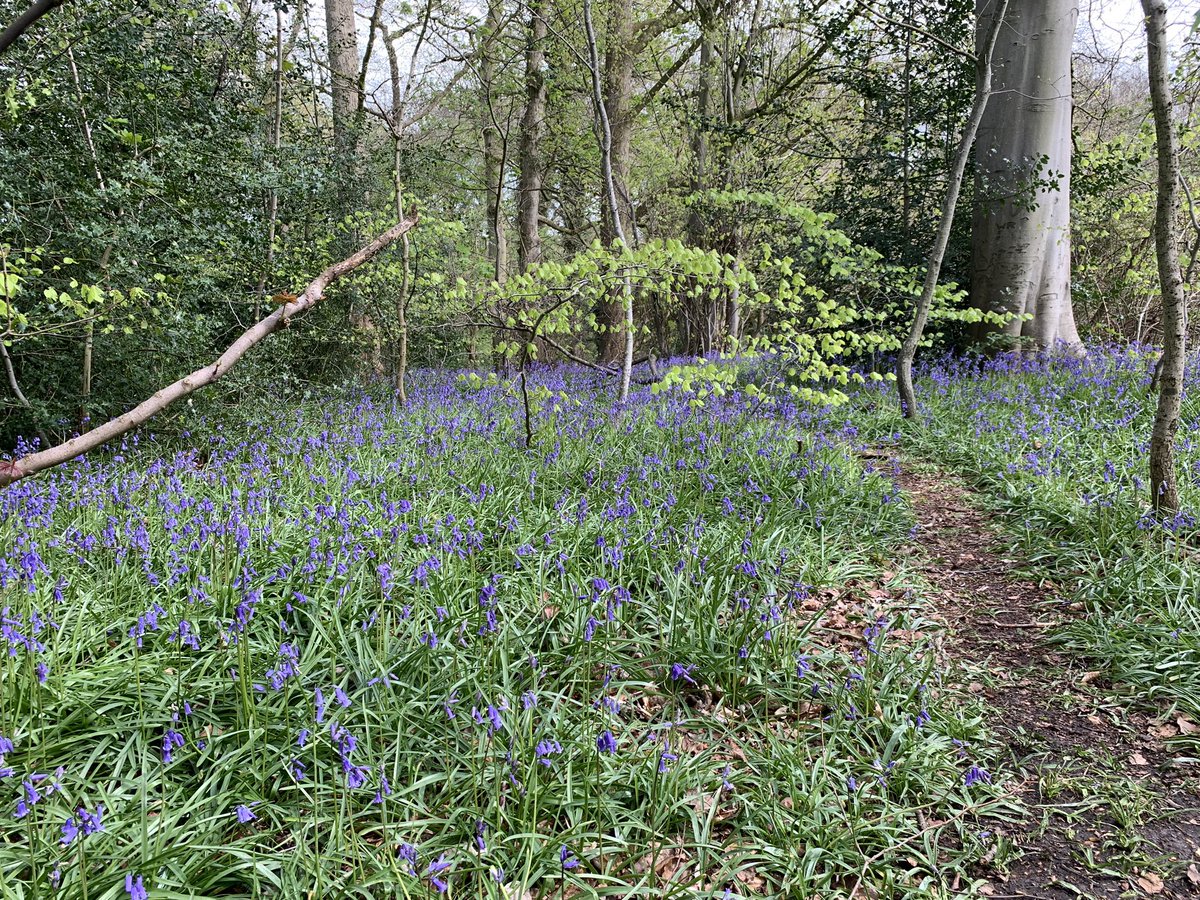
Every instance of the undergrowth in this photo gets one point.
(357, 650)
(1059, 445)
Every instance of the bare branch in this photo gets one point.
(15, 470)
(22, 23)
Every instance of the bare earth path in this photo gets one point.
(1115, 810)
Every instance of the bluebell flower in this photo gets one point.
(566, 858)
(244, 813)
(606, 743)
(680, 672)
(135, 888)
(408, 853)
(546, 749)
(975, 775)
(437, 867)
(172, 740)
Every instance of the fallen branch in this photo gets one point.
(15, 470)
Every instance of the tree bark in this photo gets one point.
(343, 74)
(933, 269)
(617, 217)
(23, 22)
(493, 146)
(396, 123)
(1021, 238)
(604, 128)
(1164, 488)
(276, 138)
(15, 470)
(529, 200)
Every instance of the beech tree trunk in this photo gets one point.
(1164, 488)
(933, 268)
(15, 470)
(1021, 237)
(529, 201)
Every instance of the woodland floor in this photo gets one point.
(1114, 808)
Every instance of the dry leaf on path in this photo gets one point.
(1150, 883)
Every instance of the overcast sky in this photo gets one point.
(1118, 23)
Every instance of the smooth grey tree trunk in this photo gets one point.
(1021, 238)
(1164, 488)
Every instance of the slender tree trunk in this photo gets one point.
(610, 191)
(1021, 237)
(15, 386)
(396, 122)
(529, 202)
(493, 144)
(701, 130)
(276, 142)
(1164, 488)
(342, 37)
(405, 289)
(933, 270)
(617, 216)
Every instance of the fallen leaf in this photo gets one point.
(1186, 725)
(1193, 874)
(1138, 760)
(1150, 883)
(1089, 677)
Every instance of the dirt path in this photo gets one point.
(1114, 812)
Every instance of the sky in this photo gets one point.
(1118, 23)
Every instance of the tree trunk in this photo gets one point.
(1164, 489)
(696, 229)
(396, 122)
(493, 146)
(276, 138)
(608, 176)
(15, 470)
(1021, 238)
(617, 217)
(343, 74)
(529, 202)
(933, 269)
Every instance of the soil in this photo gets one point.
(1114, 808)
